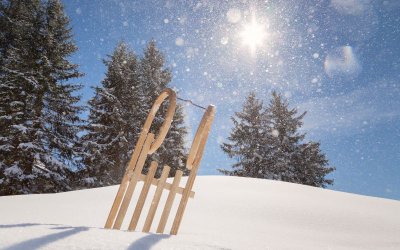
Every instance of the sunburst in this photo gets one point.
(253, 35)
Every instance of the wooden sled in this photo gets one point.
(145, 146)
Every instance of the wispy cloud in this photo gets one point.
(354, 111)
(351, 7)
(342, 62)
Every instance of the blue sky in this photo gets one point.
(338, 60)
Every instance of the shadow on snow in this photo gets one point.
(144, 243)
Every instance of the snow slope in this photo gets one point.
(226, 213)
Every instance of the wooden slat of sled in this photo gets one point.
(143, 196)
(125, 181)
(169, 202)
(167, 186)
(132, 184)
(189, 184)
(156, 199)
(183, 202)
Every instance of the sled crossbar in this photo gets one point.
(146, 145)
(167, 186)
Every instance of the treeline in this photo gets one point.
(40, 115)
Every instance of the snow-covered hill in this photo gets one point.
(226, 213)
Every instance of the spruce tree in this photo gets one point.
(118, 112)
(283, 125)
(154, 78)
(295, 160)
(17, 94)
(310, 165)
(272, 135)
(247, 140)
(60, 105)
(39, 114)
(112, 124)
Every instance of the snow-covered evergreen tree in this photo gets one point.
(283, 126)
(267, 144)
(112, 124)
(39, 113)
(154, 78)
(118, 112)
(295, 160)
(247, 139)
(310, 165)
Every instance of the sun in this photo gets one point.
(253, 35)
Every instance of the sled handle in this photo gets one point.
(200, 138)
(167, 121)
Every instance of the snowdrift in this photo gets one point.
(226, 213)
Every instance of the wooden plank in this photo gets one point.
(189, 184)
(117, 202)
(133, 182)
(156, 199)
(125, 180)
(169, 202)
(167, 185)
(183, 202)
(194, 149)
(143, 196)
(167, 120)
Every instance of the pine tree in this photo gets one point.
(310, 165)
(272, 134)
(112, 123)
(247, 140)
(284, 125)
(118, 112)
(60, 106)
(39, 114)
(16, 94)
(295, 161)
(154, 78)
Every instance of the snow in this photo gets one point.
(27, 145)
(21, 128)
(226, 213)
(13, 171)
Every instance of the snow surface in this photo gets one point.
(226, 213)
